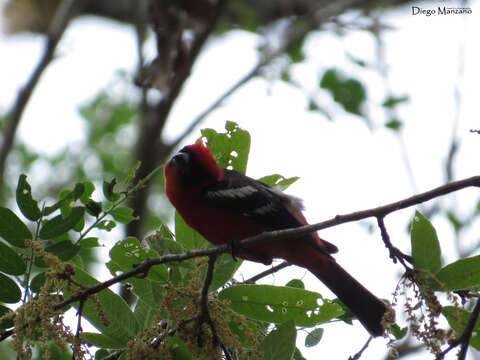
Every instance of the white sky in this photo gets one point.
(343, 165)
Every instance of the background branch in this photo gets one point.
(56, 30)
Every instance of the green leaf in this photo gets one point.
(392, 101)
(5, 323)
(28, 206)
(425, 246)
(186, 236)
(128, 253)
(225, 267)
(58, 225)
(355, 60)
(131, 173)
(103, 341)
(463, 274)
(458, 319)
(94, 208)
(348, 92)
(108, 190)
(394, 124)
(399, 332)
(278, 304)
(107, 225)
(122, 325)
(12, 229)
(455, 221)
(89, 188)
(9, 291)
(10, 262)
(314, 337)
(296, 283)
(295, 52)
(37, 282)
(278, 181)
(64, 250)
(123, 214)
(89, 242)
(231, 148)
(101, 354)
(279, 344)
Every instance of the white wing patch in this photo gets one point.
(265, 209)
(235, 193)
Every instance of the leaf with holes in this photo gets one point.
(278, 304)
(28, 206)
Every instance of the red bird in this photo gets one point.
(224, 206)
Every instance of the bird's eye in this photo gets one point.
(180, 160)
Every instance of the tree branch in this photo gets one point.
(57, 27)
(380, 211)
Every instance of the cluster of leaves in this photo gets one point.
(429, 276)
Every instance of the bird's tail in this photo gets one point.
(368, 309)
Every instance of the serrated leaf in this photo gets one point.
(279, 344)
(58, 225)
(10, 262)
(94, 208)
(314, 337)
(28, 206)
(123, 214)
(463, 274)
(9, 291)
(425, 246)
(278, 304)
(12, 229)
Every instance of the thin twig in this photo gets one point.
(270, 271)
(56, 29)
(79, 326)
(364, 347)
(204, 315)
(395, 253)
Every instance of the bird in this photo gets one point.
(225, 206)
